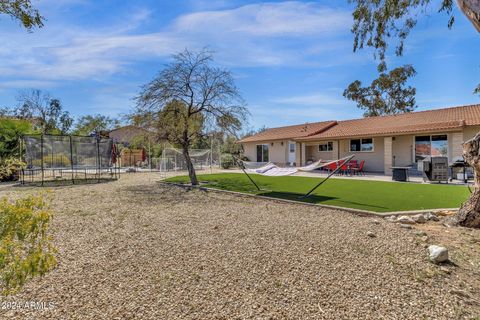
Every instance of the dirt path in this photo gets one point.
(134, 249)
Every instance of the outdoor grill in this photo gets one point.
(459, 169)
(434, 169)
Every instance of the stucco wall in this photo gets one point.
(373, 160)
(470, 132)
(276, 153)
(403, 150)
(315, 155)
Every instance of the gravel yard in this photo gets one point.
(136, 249)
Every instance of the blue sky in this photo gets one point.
(291, 59)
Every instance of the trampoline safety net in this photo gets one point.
(62, 157)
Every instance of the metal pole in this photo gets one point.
(240, 164)
(150, 154)
(71, 157)
(41, 155)
(324, 180)
(98, 159)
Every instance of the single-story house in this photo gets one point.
(127, 134)
(383, 141)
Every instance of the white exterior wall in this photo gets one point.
(374, 160)
(402, 150)
(316, 155)
(277, 152)
(387, 155)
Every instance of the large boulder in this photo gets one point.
(437, 254)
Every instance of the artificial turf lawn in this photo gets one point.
(376, 196)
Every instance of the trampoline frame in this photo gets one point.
(97, 171)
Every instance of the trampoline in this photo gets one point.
(69, 158)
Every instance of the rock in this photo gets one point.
(405, 226)
(420, 233)
(376, 221)
(391, 218)
(445, 213)
(419, 218)
(371, 234)
(445, 269)
(431, 216)
(405, 220)
(437, 254)
(424, 238)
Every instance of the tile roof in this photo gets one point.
(291, 132)
(447, 119)
(421, 121)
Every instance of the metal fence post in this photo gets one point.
(41, 155)
(98, 159)
(71, 158)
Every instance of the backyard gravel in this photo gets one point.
(137, 249)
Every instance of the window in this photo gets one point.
(328, 146)
(262, 153)
(435, 146)
(292, 147)
(362, 145)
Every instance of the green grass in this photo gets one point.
(359, 194)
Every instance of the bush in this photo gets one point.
(227, 161)
(55, 160)
(25, 246)
(10, 169)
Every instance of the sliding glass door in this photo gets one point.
(435, 146)
(262, 153)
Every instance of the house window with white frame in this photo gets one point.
(361, 145)
(327, 146)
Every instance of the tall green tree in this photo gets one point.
(189, 97)
(11, 131)
(22, 11)
(90, 124)
(386, 95)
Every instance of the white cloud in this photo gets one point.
(267, 19)
(40, 84)
(245, 36)
(315, 99)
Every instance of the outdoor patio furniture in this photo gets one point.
(359, 169)
(400, 173)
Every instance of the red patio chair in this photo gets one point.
(359, 170)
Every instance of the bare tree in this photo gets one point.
(188, 98)
(46, 111)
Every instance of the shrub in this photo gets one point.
(55, 160)
(26, 249)
(227, 161)
(10, 169)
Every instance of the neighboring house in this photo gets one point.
(383, 142)
(127, 134)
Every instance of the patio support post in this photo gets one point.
(302, 154)
(388, 155)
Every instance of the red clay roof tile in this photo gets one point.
(447, 119)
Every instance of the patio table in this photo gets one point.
(400, 173)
